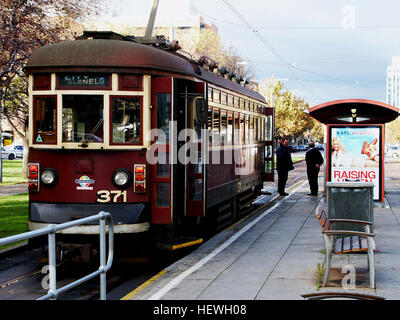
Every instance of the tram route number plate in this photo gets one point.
(105, 196)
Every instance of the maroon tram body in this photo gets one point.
(93, 102)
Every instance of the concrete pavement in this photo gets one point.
(274, 254)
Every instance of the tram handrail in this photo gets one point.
(51, 230)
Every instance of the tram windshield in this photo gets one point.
(126, 121)
(82, 118)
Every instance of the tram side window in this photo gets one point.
(163, 194)
(257, 129)
(223, 127)
(126, 124)
(163, 115)
(230, 100)
(230, 129)
(251, 130)
(45, 120)
(194, 122)
(237, 129)
(224, 98)
(262, 133)
(247, 127)
(216, 121)
(82, 118)
(260, 138)
(268, 128)
(209, 125)
(242, 131)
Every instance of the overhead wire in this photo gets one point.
(266, 43)
(289, 66)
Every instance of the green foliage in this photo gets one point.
(393, 132)
(290, 117)
(319, 274)
(209, 44)
(27, 25)
(12, 172)
(13, 215)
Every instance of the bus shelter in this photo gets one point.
(355, 140)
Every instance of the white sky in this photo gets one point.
(339, 48)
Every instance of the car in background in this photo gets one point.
(319, 147)
(294, 148)
(392, 151)
(8, 154)
(17, 149)
(303, 147)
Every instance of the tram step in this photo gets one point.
(245, 204)
(246, 196)
(178, 243)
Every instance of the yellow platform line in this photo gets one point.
(144, 285)
(187, 244)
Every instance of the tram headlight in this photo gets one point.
(49, 177)
(122, 178)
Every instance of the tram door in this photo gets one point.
(191, 114)
(162, 172)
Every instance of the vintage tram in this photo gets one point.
(93, 103)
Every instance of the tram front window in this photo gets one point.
(82, 118)
(126, 120)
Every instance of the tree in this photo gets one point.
(393, 132)
(24, 26)
(318, 131)
(290, 117)
(209, 44)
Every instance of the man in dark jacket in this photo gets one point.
(283, 165)
(314, 160)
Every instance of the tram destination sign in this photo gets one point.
(83, 80)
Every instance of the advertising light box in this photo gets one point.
(355, 155)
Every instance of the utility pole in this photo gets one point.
(150, 24)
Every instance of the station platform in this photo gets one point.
(274, 254)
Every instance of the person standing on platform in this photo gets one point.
(313, 160)
(283, 165)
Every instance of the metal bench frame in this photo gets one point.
(330, 236)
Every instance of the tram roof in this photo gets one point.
(108, 55)
(366, 112)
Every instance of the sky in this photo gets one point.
(323, 50)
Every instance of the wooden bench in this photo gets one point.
(346, 241)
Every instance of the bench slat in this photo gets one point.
(343, 244)
(355, 244)
(364, 243)
(323, 219)
(346, 245)
(318, 212)
(338, 245)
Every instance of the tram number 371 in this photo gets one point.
(104, 196)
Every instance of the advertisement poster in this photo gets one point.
(355, 155)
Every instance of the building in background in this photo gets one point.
(393, 83)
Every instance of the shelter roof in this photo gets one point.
(358, 111)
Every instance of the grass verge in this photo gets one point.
(13, 216)
(12, 172)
